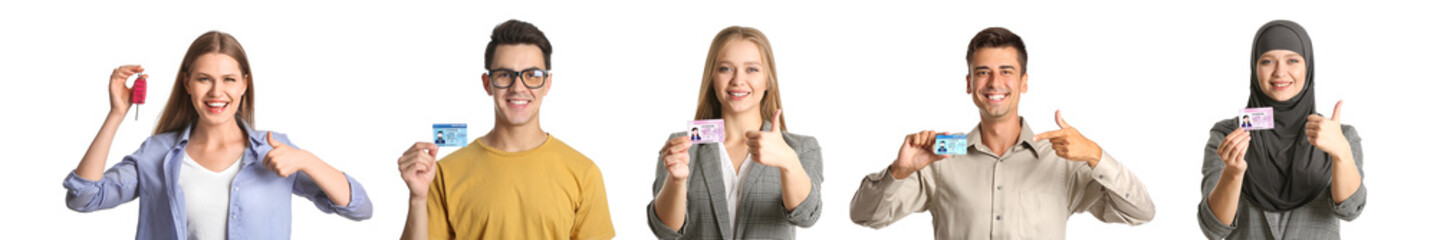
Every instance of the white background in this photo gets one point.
(358, 83)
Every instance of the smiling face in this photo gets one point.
(1281, 74)
(740, 79)
(996, 81)
(216, 85)
(518, 104)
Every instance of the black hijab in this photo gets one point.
(1284, 171)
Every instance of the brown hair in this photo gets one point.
(179, 112)
(709, 107)
(998, 37)
(517, 32)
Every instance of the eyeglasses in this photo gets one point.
(534, 78)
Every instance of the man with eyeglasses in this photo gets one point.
(517, 181)
(1011, 184)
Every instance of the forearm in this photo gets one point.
(331, 181)
(92, 165)
(672, 203)
(796, 185)
(1224, 198)
(1345, 177)
(417, 224)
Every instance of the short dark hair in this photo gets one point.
(517, 32)
(998, 37)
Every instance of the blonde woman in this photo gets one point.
(761, 181)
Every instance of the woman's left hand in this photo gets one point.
(285, 160)
(769, 148)
(1326, 133)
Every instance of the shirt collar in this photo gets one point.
(1025, 137)
(256, 138)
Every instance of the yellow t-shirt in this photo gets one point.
(549, 192)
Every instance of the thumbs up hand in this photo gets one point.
(1326, 133)
(769, 148)
(285, 160)
(1071, 145)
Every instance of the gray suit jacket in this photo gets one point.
(1319, 219)
(761, 214)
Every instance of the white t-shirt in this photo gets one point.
(733, 182)
(207, 198)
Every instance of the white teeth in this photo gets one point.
(738, 94)
(997, 97)
(520, 102)
(218, 104)
(1283, 84)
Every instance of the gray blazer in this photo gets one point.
(761, 212)
(1319, 219)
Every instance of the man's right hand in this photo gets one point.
(417, 166)
(119, 94)
(915, 155)
(676, 158)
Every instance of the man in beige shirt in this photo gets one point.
(1011, 184)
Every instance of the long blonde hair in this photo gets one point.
(179, 110)
(709, 107)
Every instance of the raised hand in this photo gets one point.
(915, 154)
(285, 160)
(1326, 133)
(417, 167)
(676, 158)
(1071, 145)
(119, 94)
(768, 147)
(1233, 151)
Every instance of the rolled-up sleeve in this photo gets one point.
(1211, 169)
(118, 185)
(1121, 197)
(807, 212)
(1349, 209)
(359, 208)
(656, 225)
(882, 199)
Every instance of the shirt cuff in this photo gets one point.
(661, 230)
(1211, 226)
(80, 186)
(1349, 210)
(1111, 175)
(806, 213)
(359, 206)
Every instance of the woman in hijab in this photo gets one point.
(1290, 182)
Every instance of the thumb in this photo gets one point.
(272, 142)
(776, 114)
(1337, 112)
(1058, 117)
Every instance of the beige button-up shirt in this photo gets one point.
(1028, 193)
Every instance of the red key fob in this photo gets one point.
(137, 91)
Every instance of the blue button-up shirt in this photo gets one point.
(259, 204)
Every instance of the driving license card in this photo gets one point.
(451, 134)
(706, 131)
(950, 144)
(1255, 118)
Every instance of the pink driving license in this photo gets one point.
(706, 131)
(1255, 118)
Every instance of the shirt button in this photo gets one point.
(1000, 217)
(1100, 176)
(236, 189)
(1000, 187)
